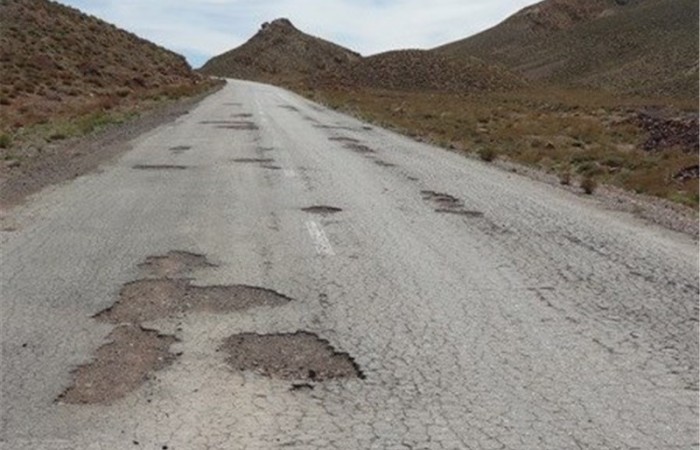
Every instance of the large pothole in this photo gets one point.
(146, 300)
(300, 356)
(175, 264)
(120, 366)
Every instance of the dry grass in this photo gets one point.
(580, 135)
(66, 74)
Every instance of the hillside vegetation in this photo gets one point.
(279, 52)
(420, 70)
(645, 47)
(59, 65)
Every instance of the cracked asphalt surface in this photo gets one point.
(540, 321)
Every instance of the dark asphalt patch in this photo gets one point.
(159, 167)
(381, 163)
(175, 264)
(150, 299)
(270, 167)
(300, 356)
(322, 209)
(359, 148)
(120, 366)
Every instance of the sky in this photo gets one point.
(200, 29)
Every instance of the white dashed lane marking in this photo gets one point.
(323, 246)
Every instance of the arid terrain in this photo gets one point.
(64, 75)
(419, 249)
(589, 122)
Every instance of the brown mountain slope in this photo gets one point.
(279, 52)
(628, 46)
(420, 70)
(58, 62)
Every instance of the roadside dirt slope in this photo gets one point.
(55, 60)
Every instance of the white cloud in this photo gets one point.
(200, 29)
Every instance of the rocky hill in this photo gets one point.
(627, 46)
(280, 52)
(56, 61)
(420, 70)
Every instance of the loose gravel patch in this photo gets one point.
(300, 356)
(119, 367)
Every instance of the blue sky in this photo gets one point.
(200, 29)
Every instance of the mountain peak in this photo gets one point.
(281, 23)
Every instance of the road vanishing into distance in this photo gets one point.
(264, 272)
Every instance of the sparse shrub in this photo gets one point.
(565, 178)
(487, 154)
(589, 185)
(4, 101)
(57, 136)
(5, 140)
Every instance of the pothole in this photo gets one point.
(322, 209)
(151, 299)
(120, 366)
(335, 127)
(239, 126)
(460, 212)
(180, 149)
(300, 356)
(441, 199)
(449, 204)
(253, 160)
(175, 264)
(159, 167)
(231, 124)
(359, 148)
(343, 139)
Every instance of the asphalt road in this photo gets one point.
(519, 317)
